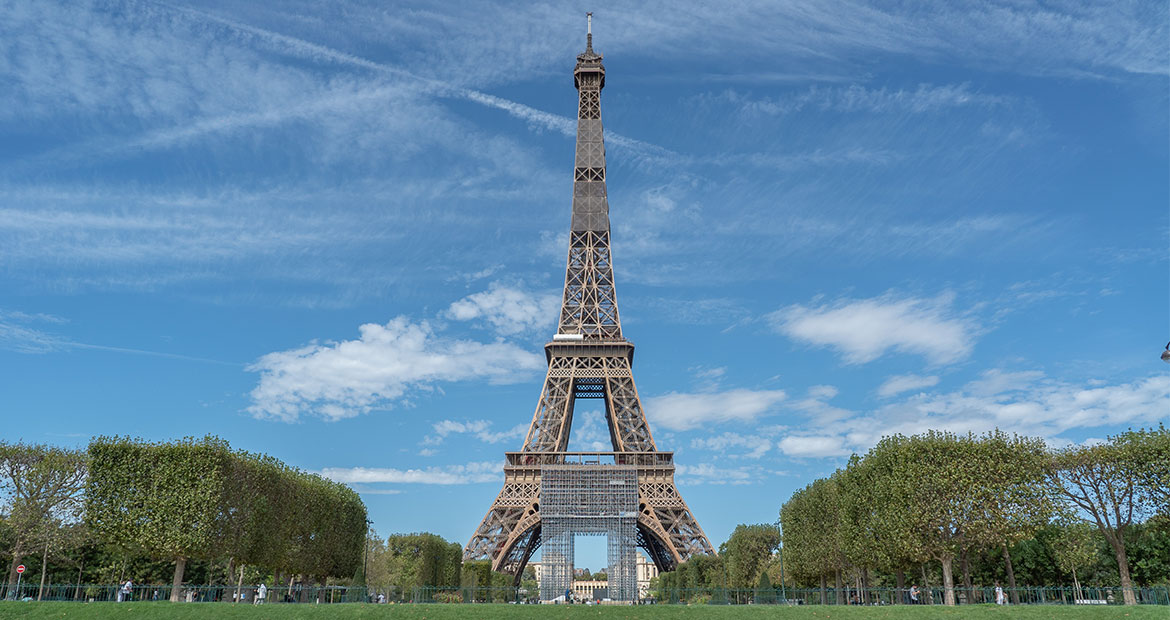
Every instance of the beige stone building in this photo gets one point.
(589, 589)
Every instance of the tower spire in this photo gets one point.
(589, 33)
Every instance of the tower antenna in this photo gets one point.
(589, 31)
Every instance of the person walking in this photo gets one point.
(127, 589)
(261, 594)
(913, 595)
(999, 597)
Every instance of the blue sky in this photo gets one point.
(336, 232)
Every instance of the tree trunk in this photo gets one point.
(231, 570)
(837, 592)
(926, 586)
(44, 566)
(900, 585)
(948, 581)
(77, 592)
(1011, 575)
(1118, 543)
(864, 586)
(966, 569)
(1076, 586)
(239, 584)
(824, 595)
(17, 556)
(177, 582)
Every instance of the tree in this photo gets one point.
(938, 493)
(43, 488)
(747, 551)
(1103, 482)
(812, 532)
(765, 593)
(197, 499)
(1073, 547)
(1149, 451)
(164, 499)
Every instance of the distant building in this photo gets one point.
(599, 589)
(590, 590)
(646, 571)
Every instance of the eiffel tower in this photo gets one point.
(588, 358)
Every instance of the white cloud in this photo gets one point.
(904, 383)
(706, 473)
(863, 330)
(680, 412)
(735, 444)
(481, 429)
(1026, 403)
(469, 473)
(380, 369)
(507, 309)
(813, 446)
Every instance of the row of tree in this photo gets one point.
(939, 497)
(194, 500)
(745, 561)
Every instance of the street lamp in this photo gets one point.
(366, 559)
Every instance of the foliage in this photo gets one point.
(1149, 451)
(1102, 481)
(197, 499)
(1073, 546)
(812, 535)
(747, 551)
(42, 489)
(765, 593)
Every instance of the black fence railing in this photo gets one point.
(251, 594)
(1039, 595)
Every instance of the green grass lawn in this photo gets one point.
(168, 611)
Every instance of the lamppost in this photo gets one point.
(366, 559)
(780, 533)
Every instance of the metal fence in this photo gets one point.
(1040, 595)
(1158, 595)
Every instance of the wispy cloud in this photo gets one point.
(865, 329)
(470, 473)
(681, 411)
(904, 383)
(735, 445)
(813, 446)
(17, 335)
(708, 473)
(481, 429)
(925, 98)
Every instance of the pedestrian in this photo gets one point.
(913, 595)
(999, 598)
(127, 589)
(261, 594)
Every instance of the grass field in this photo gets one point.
(167, 611)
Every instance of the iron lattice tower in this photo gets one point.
(588, 358)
